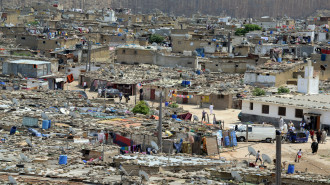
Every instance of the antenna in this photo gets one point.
(143, 175)
(236, 175)
(11, 180)
(44, 116)
(29, 142)
(266, 158)
(154, 145)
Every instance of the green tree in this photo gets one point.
(283, 90)
(246, 29)
(258, 92)
(141, 108)
(156, 38)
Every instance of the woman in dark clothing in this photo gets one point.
(318, 136)
(315, 147)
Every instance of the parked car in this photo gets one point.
(256, 132)
(110, 93)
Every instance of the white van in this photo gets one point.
(256, 132)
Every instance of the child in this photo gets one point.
(299, 154)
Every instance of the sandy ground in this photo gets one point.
(319, 163)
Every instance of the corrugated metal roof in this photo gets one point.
(35, 62)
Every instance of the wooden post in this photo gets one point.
(278, 160)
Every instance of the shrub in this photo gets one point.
(283, 90)
(258, 92)
(174, 105)
(141, 108)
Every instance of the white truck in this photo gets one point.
(256, 132)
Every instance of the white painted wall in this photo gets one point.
(77, 70)
(254, 78)
(308, 85)
(290, 111)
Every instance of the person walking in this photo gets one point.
(298, 157)
(204, 115)
(318, 136)
(100, 92)
(211, 109)
(120, 96)
(311, 132)
(85, 85)
(258, 157)
(315, 147)
(302, 126)
(324, 136)
(281, 123)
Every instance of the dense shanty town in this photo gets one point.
(98, 94)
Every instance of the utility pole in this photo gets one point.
(247, 133)
(89, 55)
(160, 124)
(278, 159)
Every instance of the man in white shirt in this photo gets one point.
(302, 126)
(211, 109)
(280, 124)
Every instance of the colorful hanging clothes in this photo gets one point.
(122, 141)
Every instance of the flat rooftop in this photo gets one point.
(35, 62)
(317, 101)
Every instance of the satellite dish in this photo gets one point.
(71, 130)
(88, 102)
(122, 169)
(65, 104)
(15, 102)
(6, 136)
(73, 114)
(4, 97)
(24, 158)
(148, 72)
(195, 118)
(236, 175)
(154, 145)
(252, 151)
(207, 71)
(266, 159)
(64, 111)
(29, 142)
(11, 180)
(143, 175)
(44, 116)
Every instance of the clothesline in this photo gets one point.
(183, 96)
